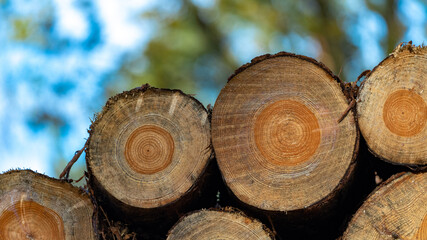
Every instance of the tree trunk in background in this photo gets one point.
(278, 142)
(148, 156)
(395, 210)
(34, 206)
(392, 109)
(219, 224)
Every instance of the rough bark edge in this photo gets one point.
(66, 185)
(228, 209)
(132, 94)
(391, 179)
(398, 50)
(401, 48)
(292, 55)
(349, 174)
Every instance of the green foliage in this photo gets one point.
(22, 29)
(186, 50)
(191, 47)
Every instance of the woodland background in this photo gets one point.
(61, 59)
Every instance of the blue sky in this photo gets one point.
(22, 146)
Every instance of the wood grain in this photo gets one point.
(219, 224)
(33, 206)
(395, 210)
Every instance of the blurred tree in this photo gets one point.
(53, 76)
(195, 47)
(188, 51)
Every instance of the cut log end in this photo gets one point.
(275, 133)
(392, 107)
(219, 224)
(33, 206)
(148, 147)
(396, 210)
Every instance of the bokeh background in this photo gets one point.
(60, 60)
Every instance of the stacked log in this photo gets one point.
(33, 206)
(148, 156)
(392, 109)
(397, 209)
(278, 142)
(224, 223)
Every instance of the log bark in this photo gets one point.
(277, 139)
(395, 210)
(34, 206)
(224, 223)
(392, 109)
(149, 156)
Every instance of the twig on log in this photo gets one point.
(78, 180)
(66, 171)
(363, 74)
(353, 91)
(350, 106)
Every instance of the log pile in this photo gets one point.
(281, 144)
